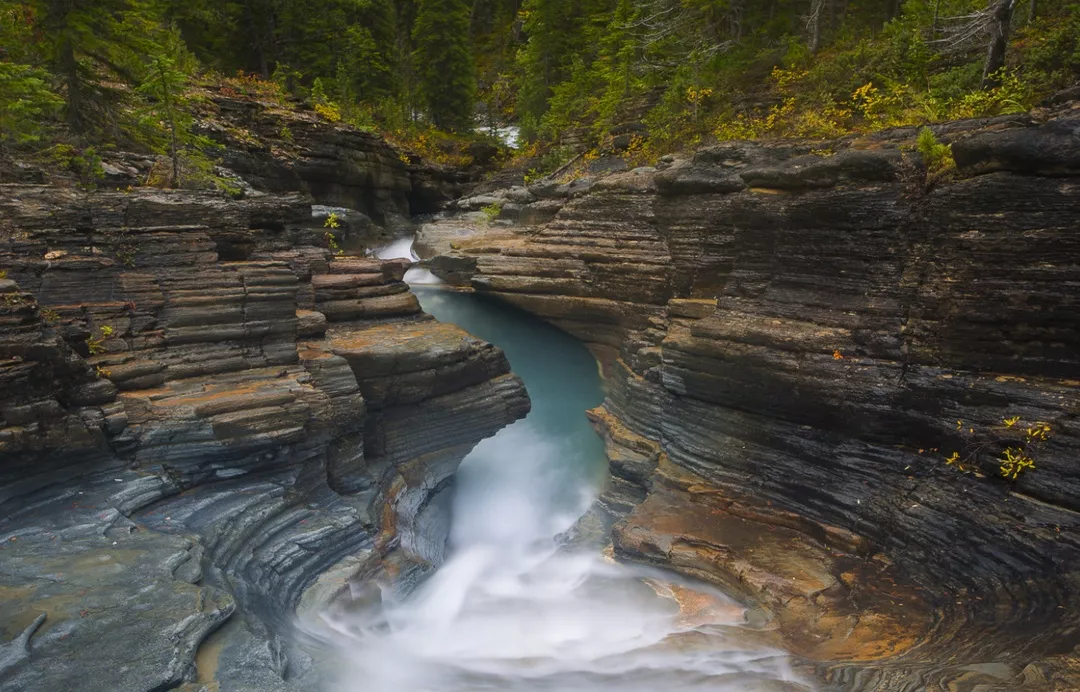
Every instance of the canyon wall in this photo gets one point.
(205, 412)
(797, 337)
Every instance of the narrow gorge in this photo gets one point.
(801, 342)
(731, 422)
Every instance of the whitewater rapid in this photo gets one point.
(403, 249)
(515, 608)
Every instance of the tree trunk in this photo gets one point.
(69, 66)
(999, 42)
(174, 149)
(813, 26)
(1031, 12)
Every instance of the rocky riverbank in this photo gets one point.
(797, 338)
(210, 415)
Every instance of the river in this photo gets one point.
(514, 608)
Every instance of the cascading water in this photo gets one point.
(512, 609)
(403, 249)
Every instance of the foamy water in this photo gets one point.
(512, 609)
(403, 249)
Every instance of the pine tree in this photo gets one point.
(365, 69)
(563, 39)
(444, 62)
(25, 100)
(618, 59)
(494, 47)
(164, 87)
(90, 43)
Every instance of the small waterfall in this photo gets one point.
(513, 609)
(403, 249)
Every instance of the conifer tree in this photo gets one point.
(164, 86)
(618, 59)
(25, 99)
(494, 46)
(444, 62)
(90, 42)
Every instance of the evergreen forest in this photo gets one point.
(571, 75)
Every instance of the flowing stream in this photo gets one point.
(515, 608)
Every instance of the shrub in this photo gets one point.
(329, 111)
(937, 157)
(84, 162)
(96, 344)
(492, 211)
(1015, 444)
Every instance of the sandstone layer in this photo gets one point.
(202, 411)
(796, 338)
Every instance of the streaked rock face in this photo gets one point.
(204, 410)
(794, 341)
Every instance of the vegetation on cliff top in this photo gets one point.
(664, 73)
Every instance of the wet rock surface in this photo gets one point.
(203, 410)
(795, 338)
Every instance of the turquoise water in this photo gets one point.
(563, 382)
(515, 609)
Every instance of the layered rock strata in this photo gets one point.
(204, 410)
(285, 150)
(796, 338)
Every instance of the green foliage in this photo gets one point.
(121, 71)
(432, 144)
(691, 69)
(331, 112)
(549, 162)
(491, 211)
(937, 157)
(1014, 446)
(93, 48)
(84, 162)
(26, 101)
(1050, 47)
(444, 59)
(494, 29)
(332, 243)
(349, 44)
(95, 344)
(165, 119)
(1011, 95)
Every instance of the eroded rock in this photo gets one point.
(184, 436)
(808, 332)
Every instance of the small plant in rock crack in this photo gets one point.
(937, 157)
(126, 255)
(96, 344)
(333, 221)
(491, 211)
(123, 245)
(12, 300)
(332, 243)
(1016, 446)
(50, 316)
